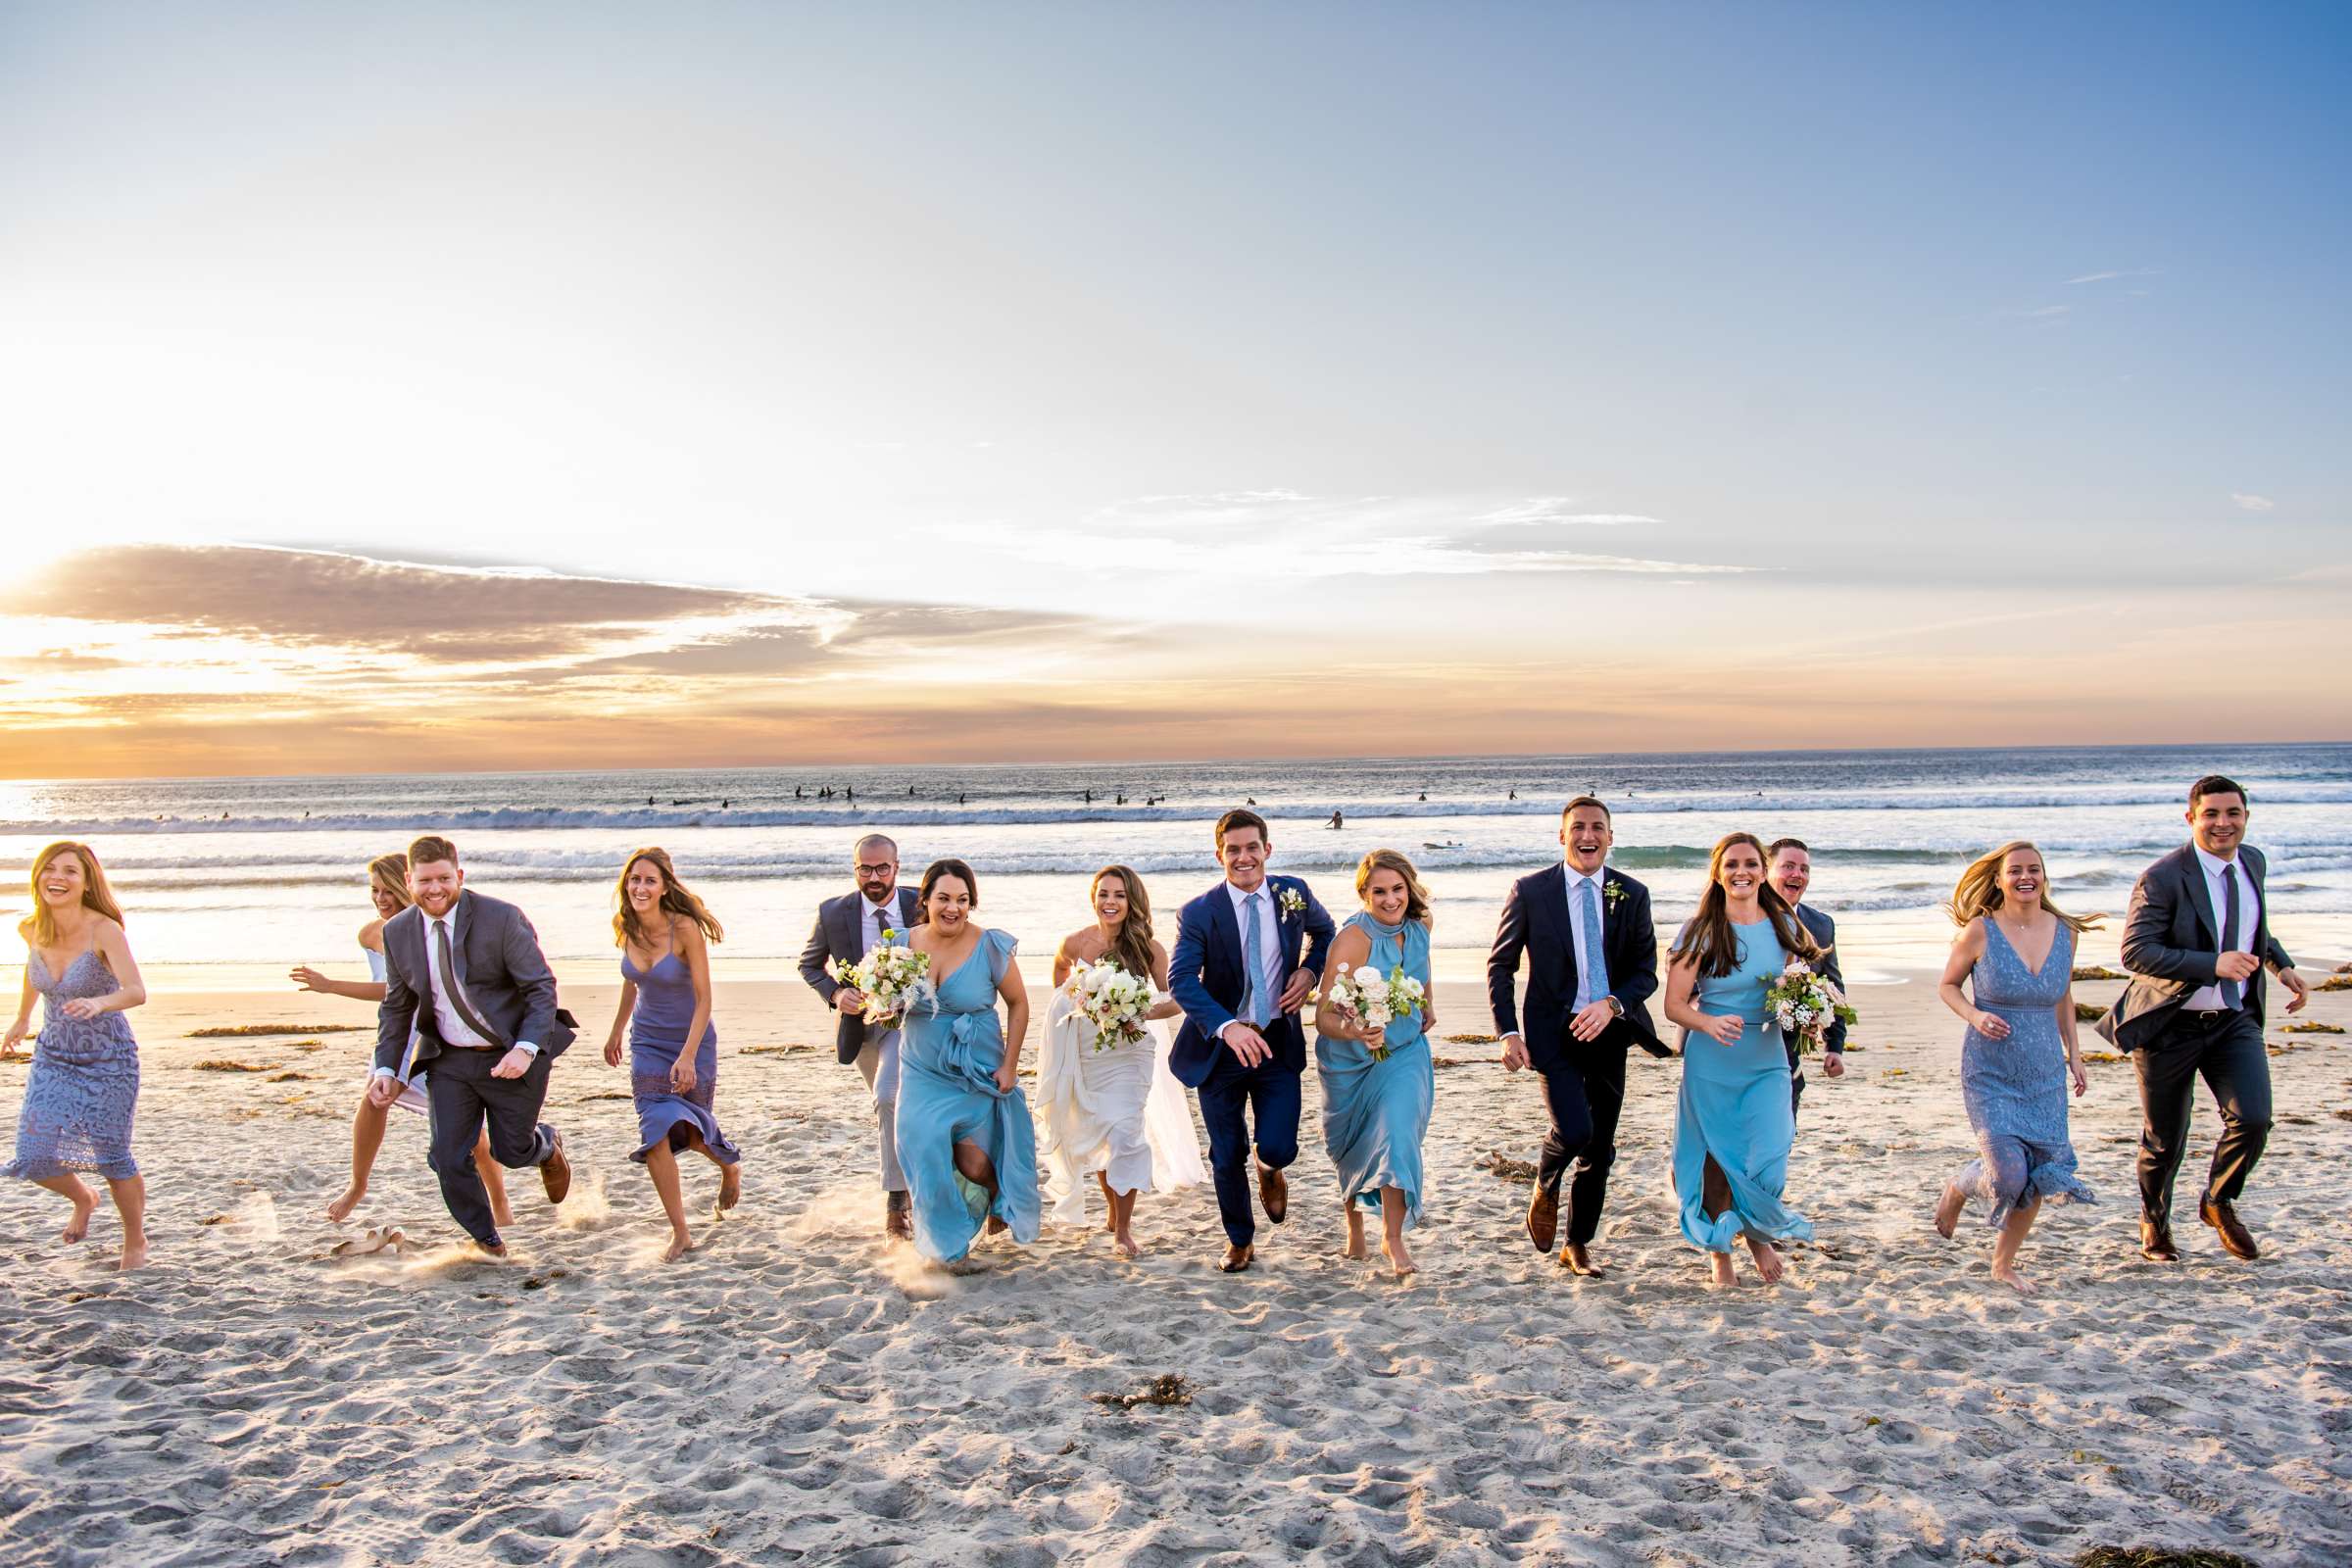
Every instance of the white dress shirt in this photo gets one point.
(456, 1032)
(1269, 935)
(2208, 999)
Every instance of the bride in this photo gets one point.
(1116, 1114)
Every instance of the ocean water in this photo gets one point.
(230, 881)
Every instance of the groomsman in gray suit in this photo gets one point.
(2196, 939)
(848, 928)
(1791, 873)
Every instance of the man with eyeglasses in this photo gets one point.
(848, 928)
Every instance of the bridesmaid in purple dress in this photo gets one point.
(665, 934)
(84, 1087)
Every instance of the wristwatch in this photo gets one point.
(1616, 1008)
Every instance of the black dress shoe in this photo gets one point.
(2156, 1242)
(2237, 1240)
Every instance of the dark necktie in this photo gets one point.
(2229, 918)
(446, 977)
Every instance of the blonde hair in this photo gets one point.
(675, 900)
(390, 873)
(40, 926)
(1978, 890)
(1416, 895)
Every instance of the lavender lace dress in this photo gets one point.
(83, 1086)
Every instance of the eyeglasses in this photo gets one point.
(883, 869)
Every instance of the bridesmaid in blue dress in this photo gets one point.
(664, 1002)
(82, 1090)
(965, 1140)
(1376, 1109)
(2016, 950)
(1733, 1125)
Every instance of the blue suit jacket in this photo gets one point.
(1205, 976)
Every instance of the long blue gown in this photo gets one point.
(2015, 1089)
(1734, 1105)
(82, 1093)
(1375, 1114)
(656, 1036)
(948, 1060)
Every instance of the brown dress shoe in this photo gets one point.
(2237, 1240)
(1273, 1192)
(1543, 1217)
(555, 1172)
(898, 1220)
(2156, 1242)
(1237, 1258)
(1579, 1262)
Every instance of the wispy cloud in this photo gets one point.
(2104, 277)
(2247, 503)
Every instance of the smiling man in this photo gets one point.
(2196, 939)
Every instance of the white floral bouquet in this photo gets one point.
(1375, 1000)
(1802, 1003)
(1110, 998)
(888, 978)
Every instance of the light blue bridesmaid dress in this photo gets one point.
(948, 1060)
(1734, 1105)
(1375, 1114)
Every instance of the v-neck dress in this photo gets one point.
(2014, 1088)
(83, 1088)
(948, 1060)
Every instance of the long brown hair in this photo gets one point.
(1710, 943)
(1978, 890)
(40, 926)
(675, 900)
(391, 873)
(1131, 949)
(1416, 895)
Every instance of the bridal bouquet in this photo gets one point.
(1110, 998)
(1804, 1003)
(1376, 1000)
(888, 978)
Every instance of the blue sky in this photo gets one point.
(1545, 332)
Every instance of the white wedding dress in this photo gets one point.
(1119, 1111)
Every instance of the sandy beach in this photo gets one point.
(797, 1391)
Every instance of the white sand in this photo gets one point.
(797, 1391)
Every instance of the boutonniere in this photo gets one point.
(1291, 901)
(1612, 894)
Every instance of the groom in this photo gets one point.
(2196, 937)
(848, 928)
(1593, 965)
(1239, 974)
(465, 974)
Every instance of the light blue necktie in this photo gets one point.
(1591, 969)
(1254, 999)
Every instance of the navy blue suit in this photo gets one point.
(1206, 978)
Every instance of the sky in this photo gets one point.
(389, 388)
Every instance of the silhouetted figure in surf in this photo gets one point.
(1335, 820)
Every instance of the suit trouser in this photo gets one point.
(2227, 1052)
(462, 1095)
(1269, 1093)
(1585, 1090)
(1796, 1088)
(878, 1065)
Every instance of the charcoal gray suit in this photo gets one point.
(839, 933)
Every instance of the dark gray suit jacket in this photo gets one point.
(2172, 937)
(496, 954)
(839, 933)
(1825, 936)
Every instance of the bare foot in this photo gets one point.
(1579, 1262)
(1236, 1260)
(1720, 1276)
(2008, 1275)
(1354, 1247)
(679, 1246)
(499, 1215)
(730, 1187)
(1947, 1210)
(79, 1227)
(1768, 1260)
(1398, 1258)
(340, 1209)
(996, 1226)
(134, 1254)
(1124, 1244)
